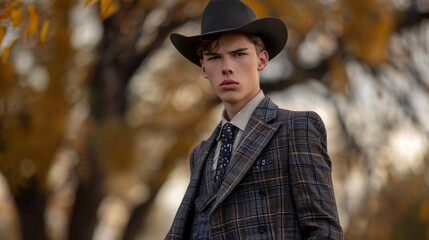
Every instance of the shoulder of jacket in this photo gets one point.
(285, 114)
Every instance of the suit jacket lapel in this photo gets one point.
(256, 136)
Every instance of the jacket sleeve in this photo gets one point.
(310, 178)
(179, 228)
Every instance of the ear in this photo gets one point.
(262, 60)
(203, 69)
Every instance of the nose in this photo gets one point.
(227, 66)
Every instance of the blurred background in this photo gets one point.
(99, 113)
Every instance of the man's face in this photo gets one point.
(233, 69)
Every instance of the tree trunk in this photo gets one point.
(88, 197)
(31, 203)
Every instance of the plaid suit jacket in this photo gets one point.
(277, 186)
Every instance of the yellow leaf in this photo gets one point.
(6, 52)
(44, 31)
(34, 23)
(16, 17)
(109, 9)
(104, 5)
(2, 33)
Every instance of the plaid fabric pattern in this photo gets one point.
(277, 186)
(201, 222)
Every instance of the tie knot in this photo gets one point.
(228, 131)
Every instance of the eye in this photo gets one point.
(239, 54)
(213, 58)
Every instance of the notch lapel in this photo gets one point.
(256, 136)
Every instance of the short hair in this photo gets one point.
(210, 43)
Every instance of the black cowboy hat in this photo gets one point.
(221, 16)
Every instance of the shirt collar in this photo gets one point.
(241, 119)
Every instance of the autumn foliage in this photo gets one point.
(25, 17)
(99, 113)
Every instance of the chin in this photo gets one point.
(227, 98)
(230, 99)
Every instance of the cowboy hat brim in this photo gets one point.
(272, 31)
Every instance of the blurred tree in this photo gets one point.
(112, 94)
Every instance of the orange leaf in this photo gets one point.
(44, 31)
(6, 52)
(5, 14)
(2, 33)
(16, 17)
(32, 10)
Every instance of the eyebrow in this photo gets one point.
(234, 51)
(239, 50)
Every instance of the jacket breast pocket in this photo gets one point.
(265, 161)
(262, 162)
(266, 166)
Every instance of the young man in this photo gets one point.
(265, 172)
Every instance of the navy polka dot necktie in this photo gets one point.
(225, 150)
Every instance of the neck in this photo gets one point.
(231, 109)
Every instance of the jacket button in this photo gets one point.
(261, 229)
(262, 193)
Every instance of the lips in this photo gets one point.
(228, 84)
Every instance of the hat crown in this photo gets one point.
(221, 15)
